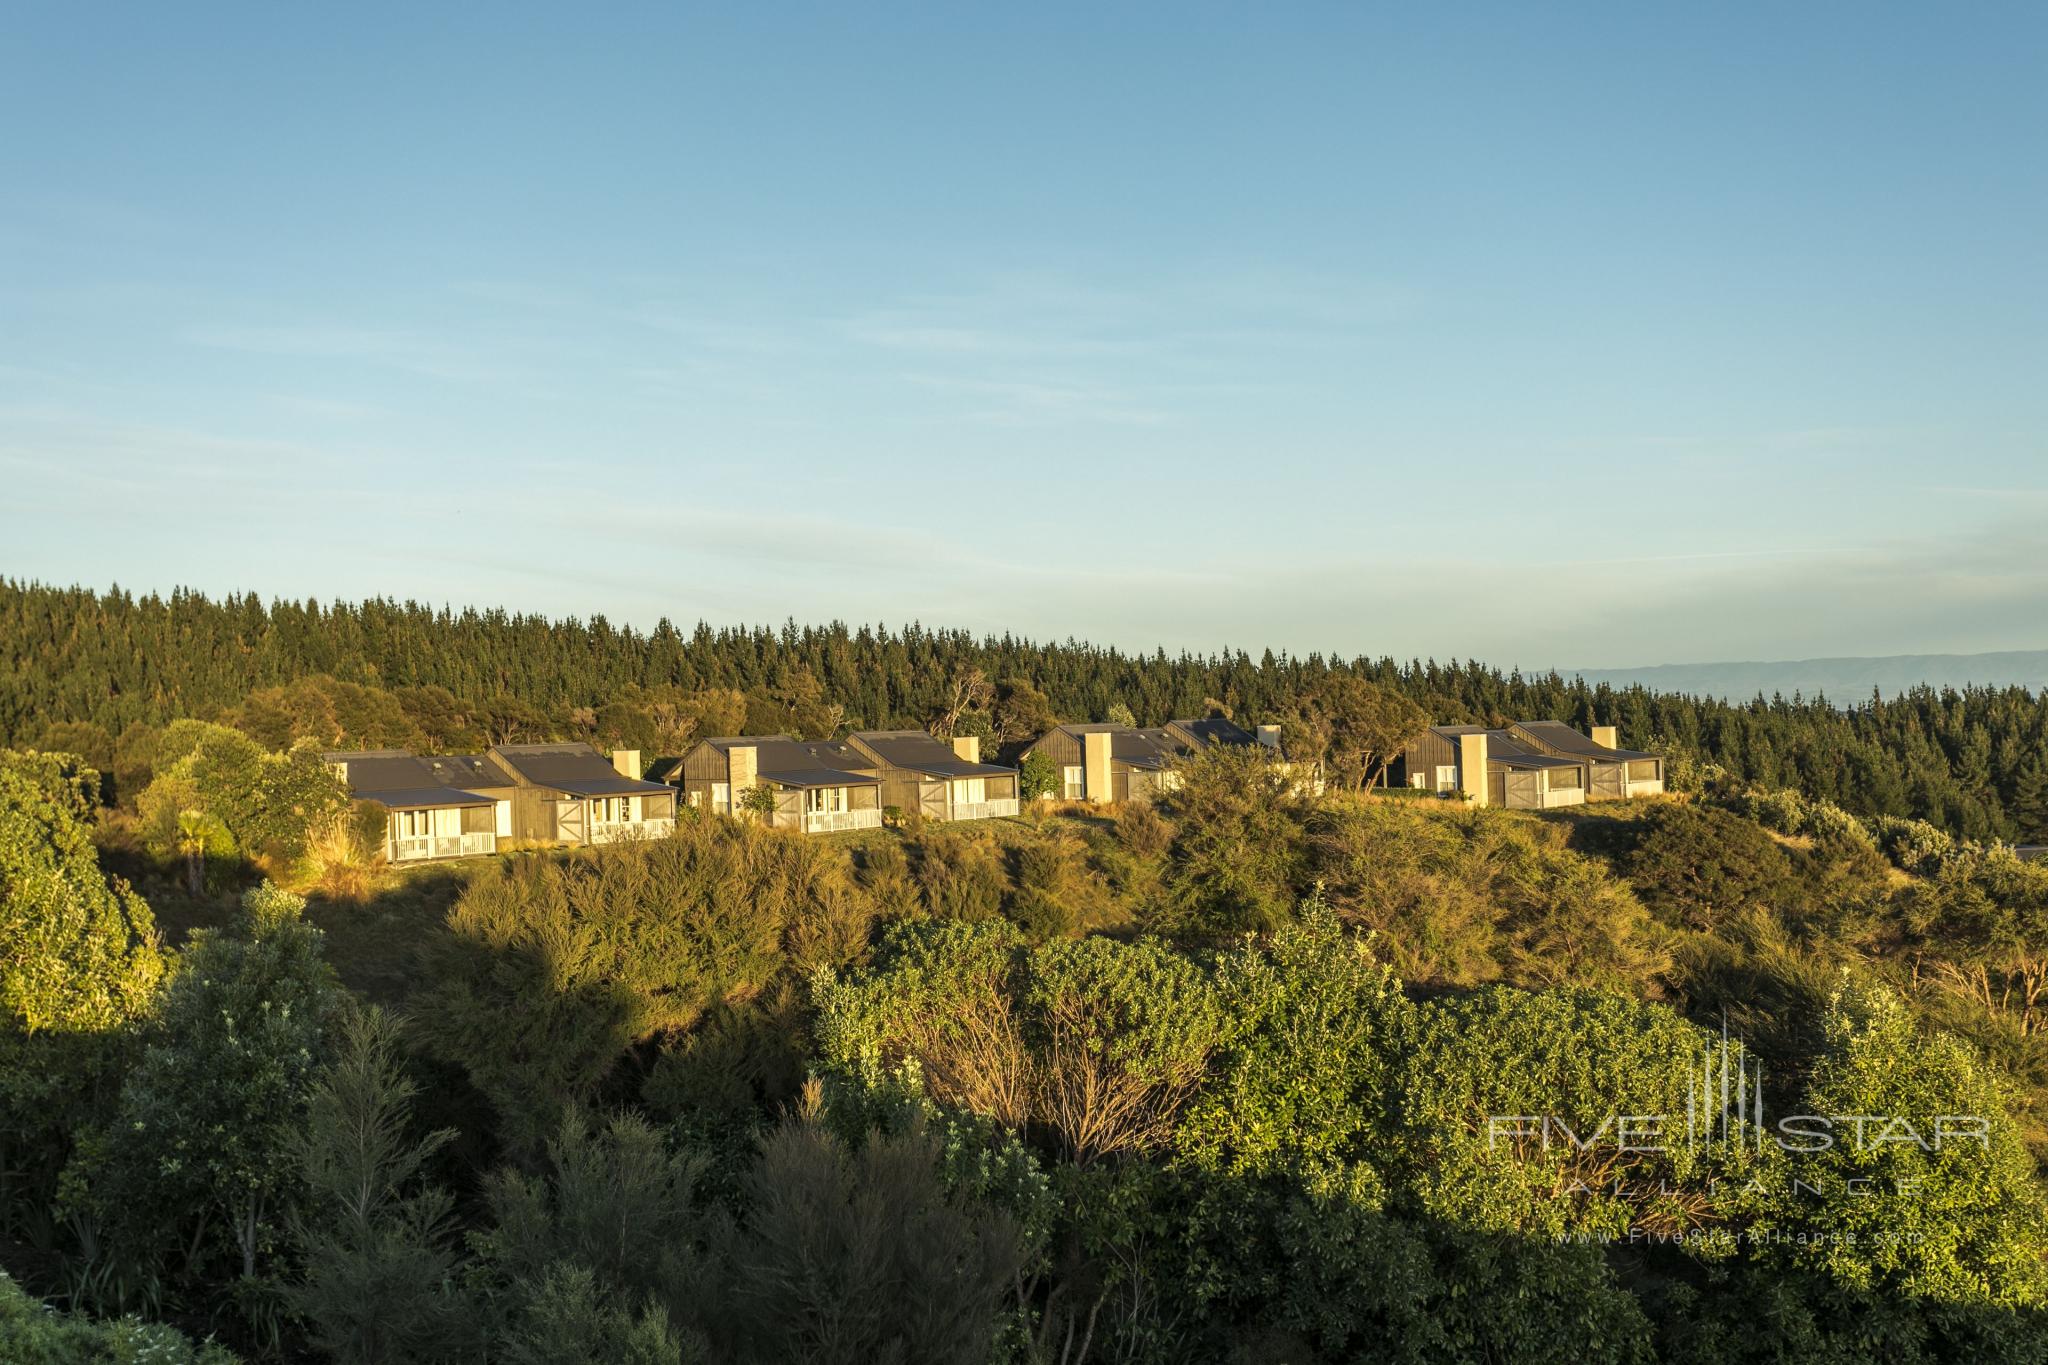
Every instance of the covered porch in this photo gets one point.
(983, 796)
(826, 804)
(1535, 783)
(605, 818)
(424, 826)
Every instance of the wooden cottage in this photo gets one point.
(1491, 768)
(1612, 773)
(428, 816)
(1113, 763)
(818, 786)
(924, 775)
(569, 793)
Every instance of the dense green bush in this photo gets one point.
(32, 1334)
(192, 1179)
(551, 970)
(1463, 897)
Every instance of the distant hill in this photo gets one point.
(1842, 680)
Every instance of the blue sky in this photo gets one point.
(1547, 335)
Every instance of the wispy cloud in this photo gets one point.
(431, 354)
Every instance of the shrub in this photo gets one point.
(1037, 776)
(1143, 831)
(192, 1175)
(553, 968)
(961, 874)
(1094, 1043)
(33, 1334)
(1698, 867)
(1237, 845)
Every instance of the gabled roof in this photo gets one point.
(1555, 734)
(382, 770)
(1504, 749)
(724, 742)
(1213, 730)
(574, 768)
(665, 769)
(397, 780)
(802, 763)
(1152, 748)
(467, 770)
(923, 753)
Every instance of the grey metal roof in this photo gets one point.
(467, 770)
(384, 770)
(1504, 749)
(1563, 737)
(923, 753)
(1152, 748)
(574, 768)
(421, 798)
(1216, 730)
(815, 763)
(724, 742)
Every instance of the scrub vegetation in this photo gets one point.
(1252, 1074)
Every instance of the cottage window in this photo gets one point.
(1072, 782)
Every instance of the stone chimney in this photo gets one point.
(967, 748)
(1269, 735)
(626, 762)
(1472, 767)
(1605, 736)
(1098, 785)
(743, 769)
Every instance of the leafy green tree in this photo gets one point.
(194, 1174)
(78, 954)
(1924, 1189)
(1021, 711)
(1305, 1083)
(375, 1239)
(65, 778)
(1037, 776)
(1237, 847)
(267, 804)
(1353, 728)
(865, 1253)
(1491, 1077)
(79, 965)
(1119, 714)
